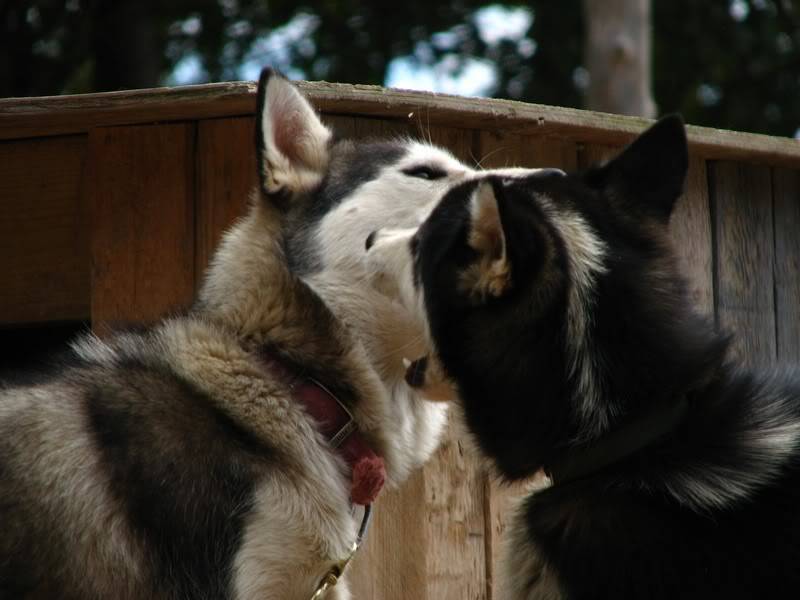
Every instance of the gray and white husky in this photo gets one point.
(176, 462)
(556, 305)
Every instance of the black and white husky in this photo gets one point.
(195, 459)
(555, 305)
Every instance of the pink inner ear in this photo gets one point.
(287, 130)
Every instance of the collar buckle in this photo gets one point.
(345, 430)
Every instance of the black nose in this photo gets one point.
(370, 240)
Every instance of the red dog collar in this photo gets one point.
(336, 423)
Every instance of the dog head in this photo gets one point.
(550, 299)
(327, 194)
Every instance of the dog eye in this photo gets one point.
(425, 172)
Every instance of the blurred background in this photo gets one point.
(732, 64)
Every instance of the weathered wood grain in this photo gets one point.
(44, 243)
(741, 201)
(50, 115)
(141, 196)
(29, 117)
(503, 149)
(690, 227)
(786, 195)
(343, 126)
(226, 178)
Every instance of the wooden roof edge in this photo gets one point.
(55, 115)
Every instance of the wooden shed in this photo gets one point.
(111, 205)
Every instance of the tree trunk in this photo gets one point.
(617, 54)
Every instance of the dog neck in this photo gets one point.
(336, 423)
(637, 434)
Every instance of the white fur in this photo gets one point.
(586, 254)
(765, 441)
(290, 539)
(388, 330)
(393, 199)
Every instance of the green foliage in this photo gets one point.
(725, 63)
(725, 73)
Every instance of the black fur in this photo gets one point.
(513, 428)
(150, 429)
(182, 470)
(710, 510)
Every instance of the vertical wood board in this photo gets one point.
(226, 178)
(44, 243)
(141, 194)
(786, 195)
(744, 257)
(690, 227)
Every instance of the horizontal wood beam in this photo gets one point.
(33, 117)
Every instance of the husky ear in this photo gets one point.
(291, 142)
(648, 176)
(490, 274)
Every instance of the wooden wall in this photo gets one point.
(116, 223)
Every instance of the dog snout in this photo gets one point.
(370, 240)
(550, 173)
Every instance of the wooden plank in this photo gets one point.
(540, 120)
(226, 178)
(44, 246)
(142, 218)
(690, 227)
(502, 149)
(26, 117)
(391, 565)
(49, 115)
(455, 526)
(380, 128)
(343, 127)
(741, 202)
(786, 195)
